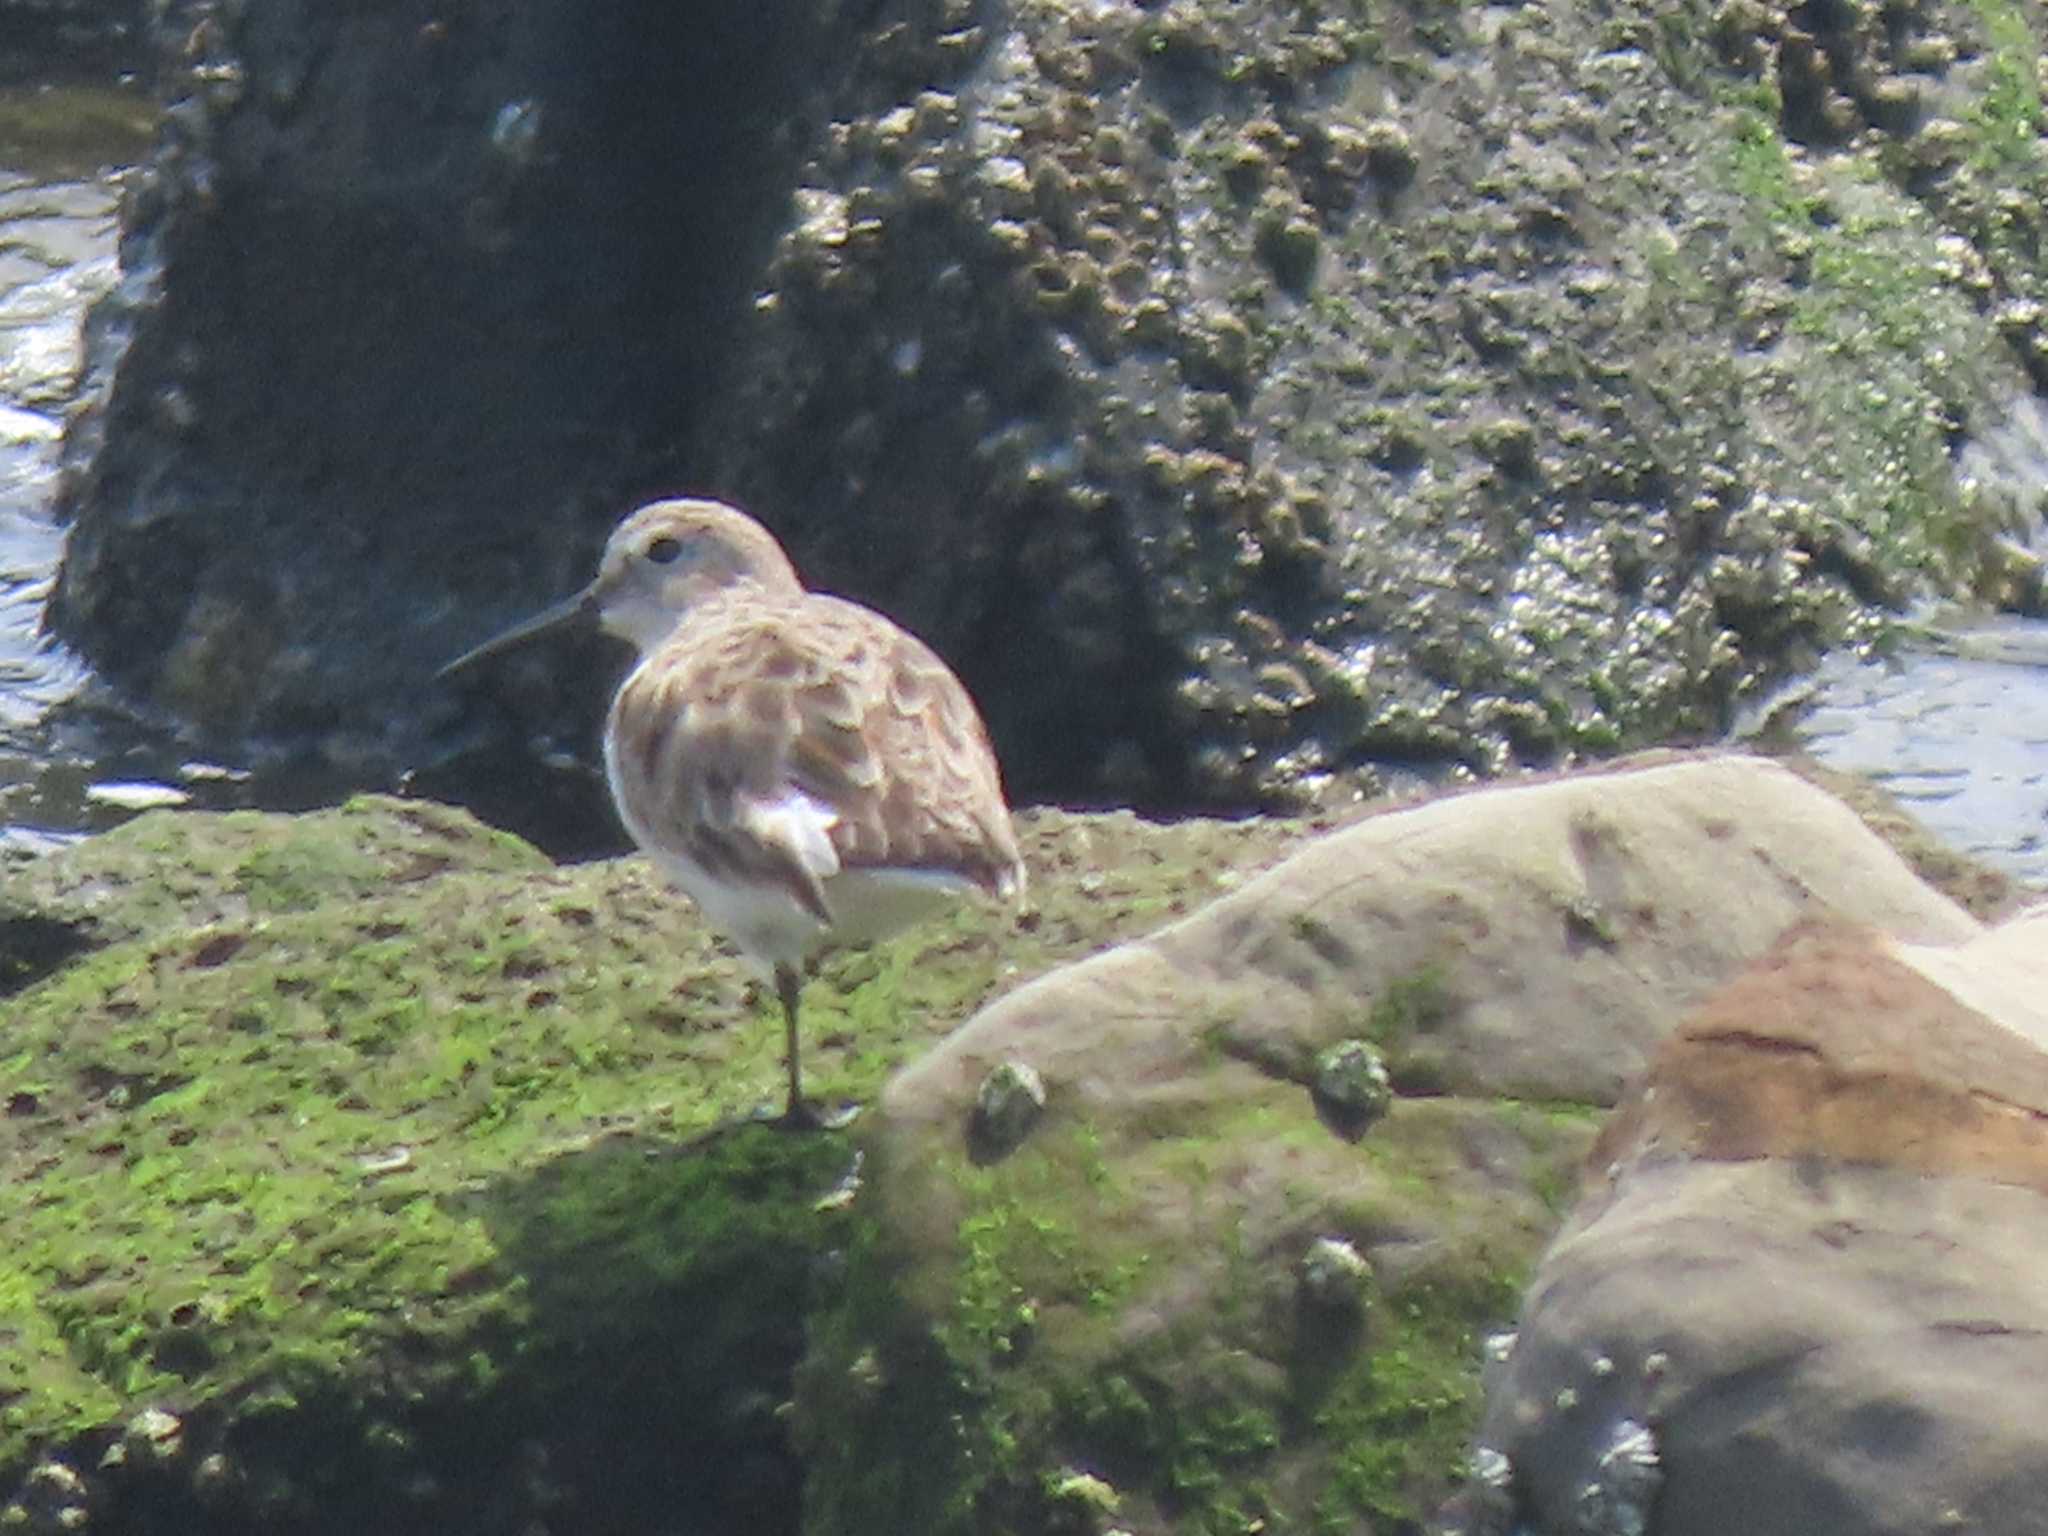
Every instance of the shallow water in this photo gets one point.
(1956, 725)
(56, 256)
(1958, 734)
(62, 153)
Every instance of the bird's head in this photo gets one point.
(669, 557)
(662, 561)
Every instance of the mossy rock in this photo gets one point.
(1196, 1380)
(415, 1176)
(1123, 1312)
(415, 1179)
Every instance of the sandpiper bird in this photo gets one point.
(812, 775)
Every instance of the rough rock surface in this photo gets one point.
(1807, 1260)
(1240, 394)
(1141, 1288)
(1601, 900)
(388, 354)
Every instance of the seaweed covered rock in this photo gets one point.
(1400, 383)
(1184, 1289)
(374, 1172)
(369, 1172)
(1800, 1293)
(1241, 393)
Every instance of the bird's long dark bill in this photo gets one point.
(568, 611)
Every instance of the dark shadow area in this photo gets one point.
(666, 1289)
(42, 42)
(631, 1383)
(33, 946)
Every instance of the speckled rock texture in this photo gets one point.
(1141, 1286)
(1802, 1285)
(1246, 395)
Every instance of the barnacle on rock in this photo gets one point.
(1619, 1497)
(1351, 1087)
(1006, 1107)
(1389, 152)
(1335, 1278)
(1289, 243)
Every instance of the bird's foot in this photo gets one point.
(801, 1115)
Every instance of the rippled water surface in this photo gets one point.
(1956, 725)
(56, 255)
(1958, 734)
(62, 153)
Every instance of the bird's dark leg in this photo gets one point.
(789, 985)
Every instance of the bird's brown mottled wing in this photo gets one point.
(754, 698)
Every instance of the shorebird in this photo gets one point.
(809, 773)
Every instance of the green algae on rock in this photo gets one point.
(371, 1170)
(1189, 1374)
(412, 1174)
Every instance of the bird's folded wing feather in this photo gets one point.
(785, 742)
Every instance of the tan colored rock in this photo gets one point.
(1808, 1258)
(1840, 1046)
(1999, 975)
(1547, 935)
(1514, 956)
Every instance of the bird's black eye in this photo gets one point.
(664, 550)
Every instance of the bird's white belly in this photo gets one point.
(771, 929)
(768, 925)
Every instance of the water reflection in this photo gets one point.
(73, 129)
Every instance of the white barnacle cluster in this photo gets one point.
(1617, 1499)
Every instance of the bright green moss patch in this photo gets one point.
(1121, 1299)
(373, 1145)
(2007, 115)
(1400, 1421)
(411, 1151)
(192, 868)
